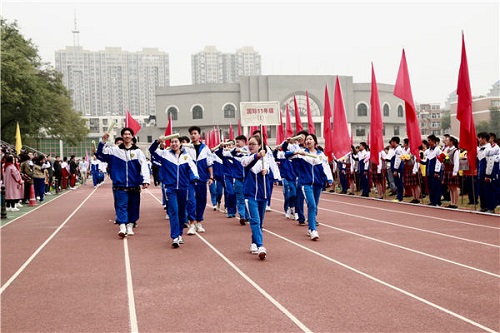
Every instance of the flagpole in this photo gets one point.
(264, 147)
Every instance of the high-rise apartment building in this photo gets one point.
(113, 81)
(429, 116)
(213, 66)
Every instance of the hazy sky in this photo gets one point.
(293, 37)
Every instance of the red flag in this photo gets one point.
(231, 132)
(280, 131)
(342, 143)
(264, 135)
(310, 123)
(132, 123)
(168, 130)
(298, 122)
(375, 138)
(327, 125)
(240, 132)
(402, 89)
(207, 139)
(253, 129)
(289, 129)
(468, 139)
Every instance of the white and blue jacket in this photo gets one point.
(255, 185)
(128, 167)
(176, 172)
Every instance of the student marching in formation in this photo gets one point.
(128, 170)
(177, 172)
(256, 190)
(313, 172)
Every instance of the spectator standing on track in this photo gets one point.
(202, 157)
(39, 177)
(397, 167)
(433, 170)
(73, 171)
(450, 174)
(65, 173)
(27, 174)
(57, 173)
(83, 166)
(363, 159)
(129, 171)
(177, 171)
(14, 184)
(256, 189)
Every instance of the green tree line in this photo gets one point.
(33, 94)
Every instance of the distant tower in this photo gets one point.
(76, 34)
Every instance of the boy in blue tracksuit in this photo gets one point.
(177, 172)
(128, 170)
(228, 179)
(202, 157)
(289, 186)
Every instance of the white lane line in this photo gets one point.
(407, 293)
(408, 227)
(297, 322)
(30, 259)
(414, 251)
(34, 209)
(412, 228)
(134, 328)
(413, 214)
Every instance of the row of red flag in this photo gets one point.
(338, 141)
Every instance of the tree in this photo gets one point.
(446, 121)
(33, 93)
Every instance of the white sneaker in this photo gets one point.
(268, 208)
(287, 214)
(175, 242)
(181, 241)
(18, 205)
(14, 209)
(192, 229)
(262, 253)
(167, 217)
(296, 216)
(130, 229)
(123, 230)
(314, 235)
(199, 227)
(8, 209)
(253, 248)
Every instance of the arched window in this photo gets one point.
(400, 111)
(386, 110)
(362, 110)
(173, 111)
(229, 111)
(197, 112)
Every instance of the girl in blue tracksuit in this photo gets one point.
(256, 191)
(312, 171)
(177, 172)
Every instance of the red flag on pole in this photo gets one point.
(327, 125)
(231, 132)
(402, 89)
(207, 139)
(168, 130)
(240, 132)
(264, 135)
(132, 123)
(375, 137)
(253, 129)
(342, 143)
(310, 123)
(468, 139)
(298, 122)
(280, 131)
(289, 129)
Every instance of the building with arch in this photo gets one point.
(217, 105)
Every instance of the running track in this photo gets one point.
(377, 267)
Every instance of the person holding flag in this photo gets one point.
(128, 170)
